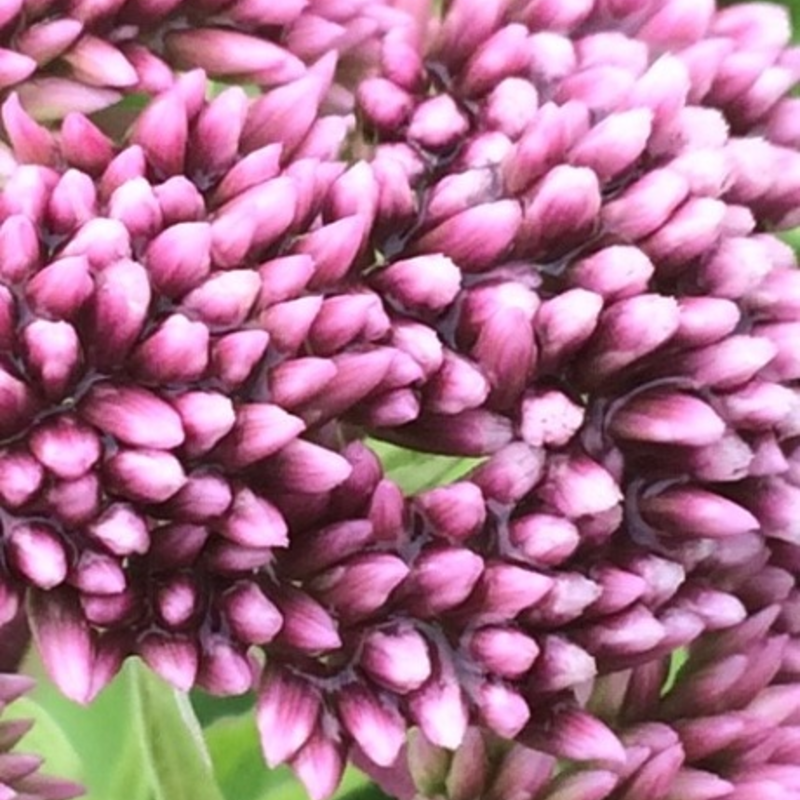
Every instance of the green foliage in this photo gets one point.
(415, 472)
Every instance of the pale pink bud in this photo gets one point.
(456, 511)
(32, 143)
(306, 623)
(171, 656)
(64, 641)
(19, 248)
(254, 522)
(319, 765)
(427, 282)
(136, 205)
(698, 512)
(135, 416)
(162, 130)
(377, 727)
(36, 552)
(65, 447)
(397, 659)
(176, 351)
(564, 323)
(52, 354)
(503, 651)
(511, 106)
(544, 539)
(476, 238)
(235, 356)
(549, 418)
(614, 144)
(99, 63)
(252, 616)
(21, 476)
(440, 709)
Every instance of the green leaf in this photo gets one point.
(676, 661)
(100, 736)
(239, 767)
(47, 739)
(175, 755)
(414, 471)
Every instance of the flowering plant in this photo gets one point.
(418, 380)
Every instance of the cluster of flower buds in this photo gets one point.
(555, 254)
(84, 55)
(19, 772)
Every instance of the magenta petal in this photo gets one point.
(377, 726)
(287, 713)
(64, 641)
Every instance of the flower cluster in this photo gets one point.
(556, 253)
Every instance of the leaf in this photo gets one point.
(415, 472)
(676, 661)
(46, 739)
(172, 743)
(98, 733)
(239, 767)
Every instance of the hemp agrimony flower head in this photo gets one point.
(556, 253)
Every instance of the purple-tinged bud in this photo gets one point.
(306, 466)
(250, 171)
(176, 601)
(162, 132)
(252, 617)
(614, 144)
(65, 447)
(695, 784)
(441, 579)
(215, 136)
(701, 512)
(235, 356)
(97, 62)
(425, 282)
(127, 165)
(458, 385)
(385, 104)
(77, 501)
(578, 486)
(455, 512)
(716, 609)
(136, 205)
(568, 597)
(73, 202)
(614, 273)
(562, 664)
(476, 238)
(564, 323)
(692, 231)
(176, 351)
(504, 590)
(500, 56)
(35, 551)
(775, 505)
(440, 709)
(544, 540)
(135, 416)
(149, 476)
(27, 192)
(306, 624)
(344, 318)
(360, 586)
(594, 784)
(629, 330)
(48, 39)
(253, 521)
(503, 651)
(510, 473)
(172, 657)
(52, 354)
(333, 248)
(564, 205)
(705, 320)
(319, 765)
(601, 89)
(285, 115)
(668, 417)
(206, 417)
(32, 143)
(20, 251)
(511, 106)
(260, 431)
(224, 299)
(549, 418)
(396, 658)
(21, 476)
(97, 573)
(729, 363)
(64, 642)
(577, 735)
(298, 380)
(375, 724)
(502, 709)
(121, 530)
(646, 205)
(616, 639)
(179, 200)
(224, 669)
